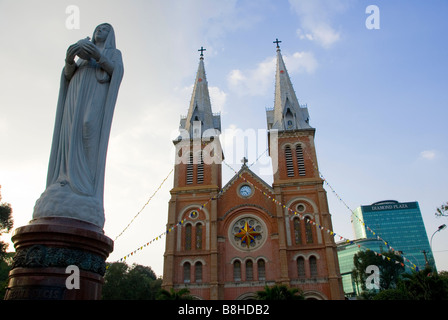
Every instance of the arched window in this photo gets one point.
(187, 268)
(200, 172)
(261, 266)
(190, 169)
(188, 237)
(289, 164)
(237, 271)
(198, 272)
(313, 266)
(297, 231)
(308, 231)
(301, 267)
(249, 270)
(199, 236)
(300, 161)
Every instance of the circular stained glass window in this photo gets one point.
(247, 233)
(194, 214)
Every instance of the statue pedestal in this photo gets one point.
(45, 248)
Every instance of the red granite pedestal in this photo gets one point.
(45, 248)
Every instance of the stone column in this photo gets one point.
(214, 263)
(45, 248)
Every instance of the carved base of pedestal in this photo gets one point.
(45, 248)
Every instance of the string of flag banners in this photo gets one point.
(179, 223)
(302, 217)
(413, 266)
(314, 223)
(256, 160)
(144, 206)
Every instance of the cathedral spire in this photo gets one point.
(200, 115)
(287, 113)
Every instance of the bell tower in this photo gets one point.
(198, 149)
(228, 242)
(191, 254)
(307, 253)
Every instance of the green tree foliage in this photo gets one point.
(6, 224)
(5, 267)
(280, 292)
(182, 294)
(137, 282)
(442, 211)
(392, 294)
(389, 269)
(421, 285)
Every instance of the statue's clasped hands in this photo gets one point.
(90, 49)
(85, 49)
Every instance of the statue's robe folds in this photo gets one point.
(87, 97)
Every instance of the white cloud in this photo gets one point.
(218, 99)
(325, 35)
(428, 154)
(301, 62)
(316, 20)
(259, 80)
(235, 77)
(254, 81)
(302, 35)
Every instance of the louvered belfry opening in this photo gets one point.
(300, 160)
(200, 174)
(190, 169)
(289, 163)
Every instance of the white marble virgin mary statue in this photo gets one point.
(87, 95)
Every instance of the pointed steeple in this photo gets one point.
(287, 113)
(200, 109)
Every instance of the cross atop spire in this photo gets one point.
(287, 113)
(202, 52)
(200, 109)
(277, 42)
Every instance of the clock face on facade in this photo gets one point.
(247, 233)
(245, 191)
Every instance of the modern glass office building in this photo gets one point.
(346, 252)
(398, 223)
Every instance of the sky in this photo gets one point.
(377, 97)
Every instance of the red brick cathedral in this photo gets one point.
(231, 241)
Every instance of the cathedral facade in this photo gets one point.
(231, 241)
